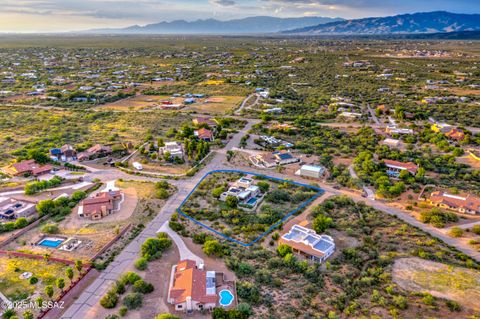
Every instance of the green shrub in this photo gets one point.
(456, 232)
(109, 300)
(50, 229)
(133, 300)
(141, 263)
(122, 311)
(143, 287)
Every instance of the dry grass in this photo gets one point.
(455, 283)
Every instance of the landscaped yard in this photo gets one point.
(243, 206)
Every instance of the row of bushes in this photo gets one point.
(37, 186)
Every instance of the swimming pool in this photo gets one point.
(226, 298)
(51, 242)
(252, 201)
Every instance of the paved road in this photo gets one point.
(83, 307)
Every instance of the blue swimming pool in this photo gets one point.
(226, 298)
(252, 201)
(51, 242)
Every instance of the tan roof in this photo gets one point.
(468, 202)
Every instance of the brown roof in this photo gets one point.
(204, 120)
(42, 169)
(66, 148)
(24, 166)
(409, 166)
(455, 134)
(99, 148)
(30, 166)
(468, 202)
(190, 282)
(100, 203)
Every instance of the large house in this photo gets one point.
(65, 153)
(249, 195)
(101, 205)
(27, 167)
(95, 151)
(308, 243)
(277, 158)
(191, 288)
(11, 208)
(467, 204)
(395, 167)
(174, 148)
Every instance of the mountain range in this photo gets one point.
(424, 22)
(250, 25)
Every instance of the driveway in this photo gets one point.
(185, 253)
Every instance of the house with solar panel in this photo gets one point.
(307, 243)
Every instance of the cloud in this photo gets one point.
(46, 15)
(224, 3)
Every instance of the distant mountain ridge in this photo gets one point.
(423, 22)
(250, 25)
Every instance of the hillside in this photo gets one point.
(428, 22)
(260, 24)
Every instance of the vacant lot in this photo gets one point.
(455, 283)
(217, 104)
(14, 287)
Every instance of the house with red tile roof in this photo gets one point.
(192, 289)
(455, 134)
(395, 167)
(467, 204)
(204, 134)
(101, 205)
(29, 167)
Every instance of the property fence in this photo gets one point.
(271, 228)
(40, 257)
(22, 231)
(113, 241)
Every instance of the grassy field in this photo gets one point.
(455, 283)
(15, 288)
(217, 105)
(22, 129)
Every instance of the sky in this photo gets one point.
(71, 15)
